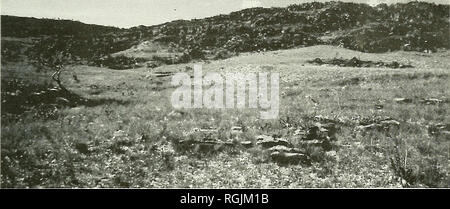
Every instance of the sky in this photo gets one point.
(130, 13)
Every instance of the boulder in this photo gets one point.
(321, 131)
(289, 158)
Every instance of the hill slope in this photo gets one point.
(415, 26)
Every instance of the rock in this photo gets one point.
(431, 101)
(368, 127)
(203, 146)
(355, 62)
(331, 154)
(62, 101)
(289, 158)
(247, 144)
(53, 90)
(382, 125)
(324, 144)
(378, 107)
(236, 131)
(389, 123)
(402, 100)
(323, 119)
(321, 131)
(285, 149)
(263, 137)
(271, 142)
(300, 132)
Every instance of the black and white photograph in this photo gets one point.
(225, 94)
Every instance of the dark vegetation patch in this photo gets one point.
(421, 171)
(41, 100)
(355, 62)
(120, 62)
(91, 49)
(11, 51)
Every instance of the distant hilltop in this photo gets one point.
(414, 26)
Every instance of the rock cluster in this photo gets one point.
(319, 135)
(355, 62)
(282, 151)
(203, 140)
(381, 125)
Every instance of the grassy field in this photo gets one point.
(127, 136)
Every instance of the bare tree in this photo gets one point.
(58, 66)
(54, 53)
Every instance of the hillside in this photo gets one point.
(414, 26)
(363, 100)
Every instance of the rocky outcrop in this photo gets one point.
(355, 62)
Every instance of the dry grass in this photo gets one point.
(133, 143)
